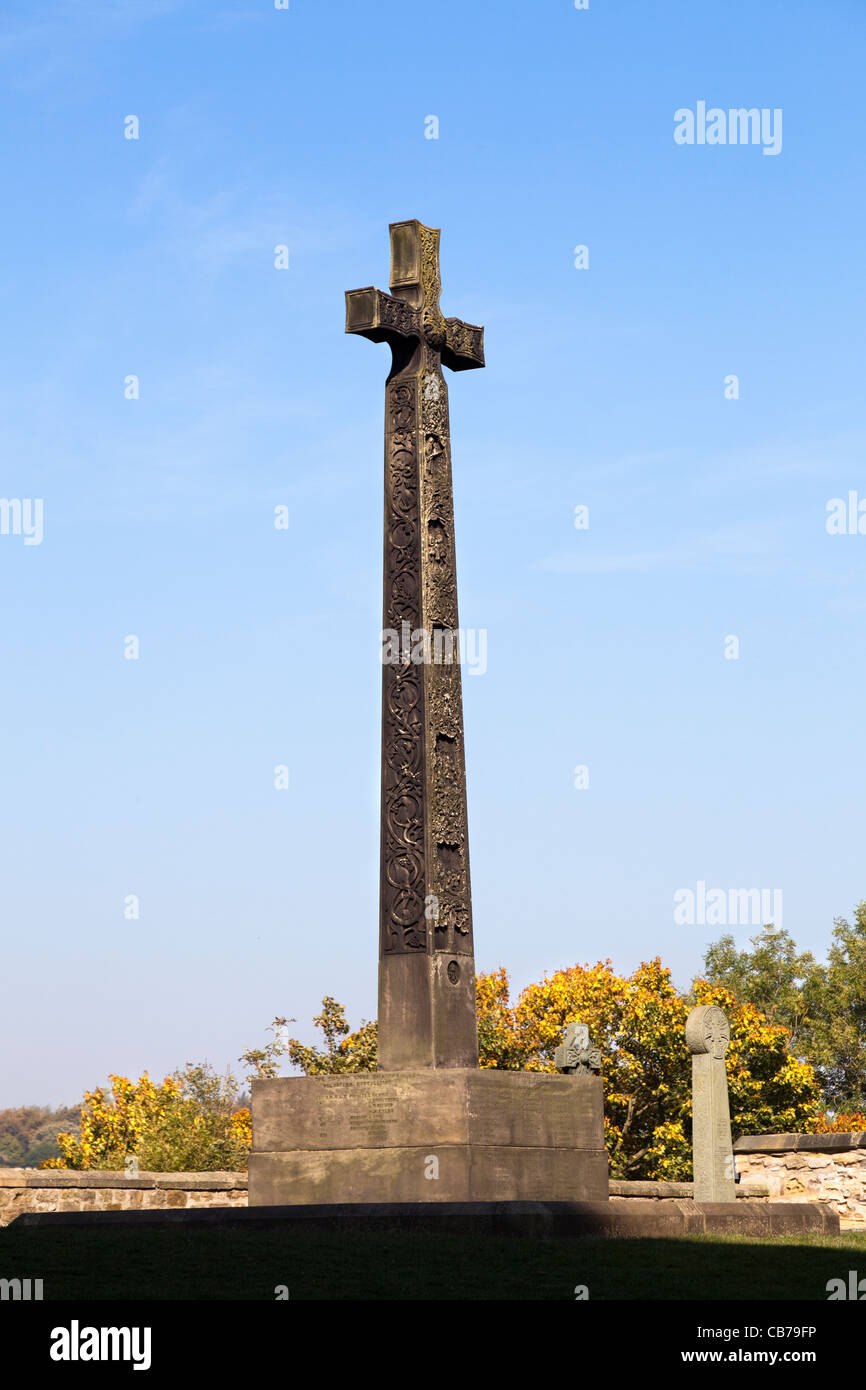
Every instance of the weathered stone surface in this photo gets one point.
(638, 1187)
(382, 1109)
(462, 1173)
(783, 1143)
(621, 1188)
(836, 1178)
(765, 1143)
(376, 1110)
(707, 1035)
(550, 1220)
(493, 1135)
(53, 1178)
(52, 1190)
(733, 1217)
(575, 1056)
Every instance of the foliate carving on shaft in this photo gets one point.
(448, 854)
(440, 598)
(403, 880)
(432, 318)
(425, 893)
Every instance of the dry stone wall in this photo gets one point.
(809, 1168)
(35, 1189)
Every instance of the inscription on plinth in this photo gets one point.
(496, 1136)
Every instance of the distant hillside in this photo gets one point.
(29, 1134)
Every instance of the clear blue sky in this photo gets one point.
(604, 387)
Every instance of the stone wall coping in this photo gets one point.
(637, 1187)
(94, 1177)
(643, 1187)
(790, 1143)
(225, 1181)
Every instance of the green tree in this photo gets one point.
(838, 1033)
(28, 1133)
(344, 1050)
(264, 1062)
(782, 982)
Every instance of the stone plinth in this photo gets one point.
(457, 1135)
(639, 1218)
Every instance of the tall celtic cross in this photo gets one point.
(426, 957)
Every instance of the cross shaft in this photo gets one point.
(427, 1013)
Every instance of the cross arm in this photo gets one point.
(463, 347)
(378, 316)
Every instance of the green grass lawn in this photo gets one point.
(246, 1264)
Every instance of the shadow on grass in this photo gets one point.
(241, 1264)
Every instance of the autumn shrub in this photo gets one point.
(190, 1121)
(848, 1122)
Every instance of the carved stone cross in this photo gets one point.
(708, 1034)
(575, 1054)
(426, 956)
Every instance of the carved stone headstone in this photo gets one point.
(575, 1054)
(708, 1034)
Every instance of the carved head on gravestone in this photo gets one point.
(576, 1035)
(708, 1030)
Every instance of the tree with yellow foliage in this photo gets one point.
(189, 1121)
(638, 1023)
